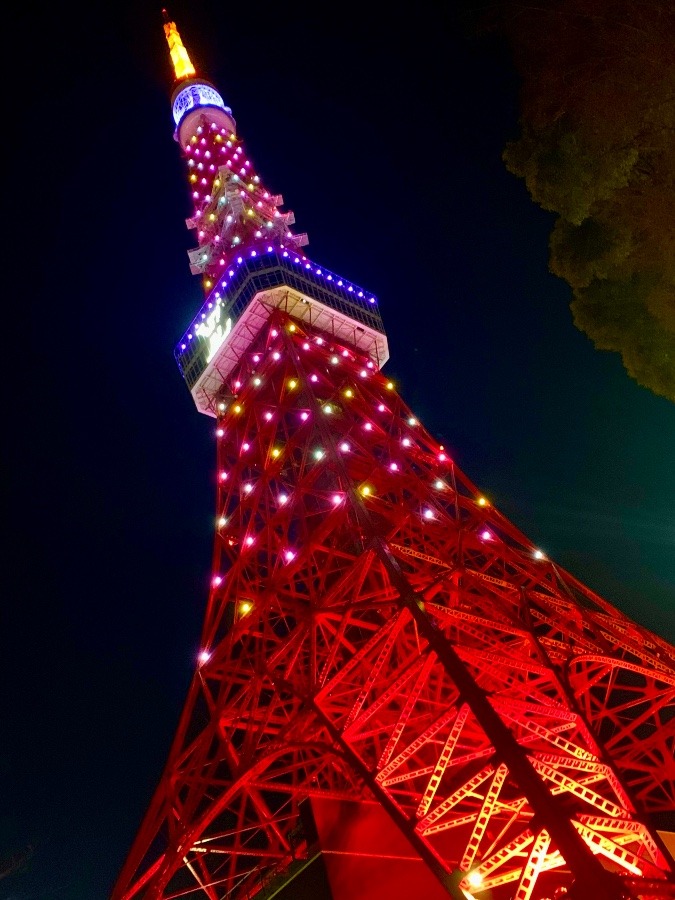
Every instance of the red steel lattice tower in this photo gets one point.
(382, 649)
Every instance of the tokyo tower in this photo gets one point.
(397, 694)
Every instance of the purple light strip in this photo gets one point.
(298, 260)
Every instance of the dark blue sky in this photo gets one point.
(385, 137)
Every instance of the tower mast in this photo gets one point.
(394, 683)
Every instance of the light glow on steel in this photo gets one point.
(414, 650)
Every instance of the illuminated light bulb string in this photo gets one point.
(232, 208)
(263, 441)
(237, 219)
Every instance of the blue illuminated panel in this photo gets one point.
(195, 95)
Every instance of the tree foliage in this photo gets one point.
(597, 147)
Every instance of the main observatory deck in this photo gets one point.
(243, 300)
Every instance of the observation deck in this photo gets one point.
(242, 301)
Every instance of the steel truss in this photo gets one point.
(376, 629)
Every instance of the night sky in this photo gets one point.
(385, 136)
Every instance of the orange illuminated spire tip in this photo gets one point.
(179, 55)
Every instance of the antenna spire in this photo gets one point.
(179, 55)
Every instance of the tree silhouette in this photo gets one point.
(597, 147)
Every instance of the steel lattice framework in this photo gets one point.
(377, 631)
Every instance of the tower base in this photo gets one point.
(356, 853)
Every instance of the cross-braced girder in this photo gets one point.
(377, 630)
